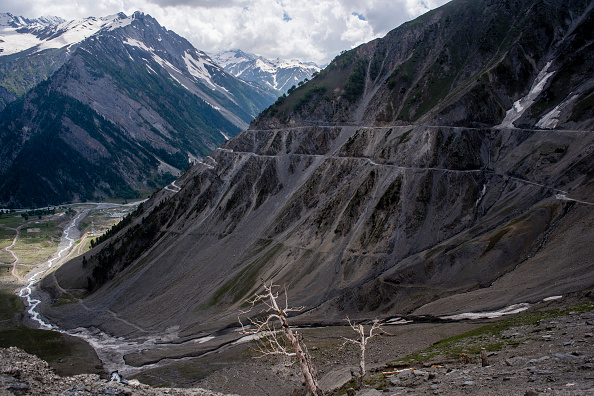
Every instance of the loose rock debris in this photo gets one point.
(24, 374)
(554, 357)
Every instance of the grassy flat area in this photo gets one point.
(6, 237)
(4, 272)
(5, 257)
(38, 241)
(11, 220)
(39, 238)
(8, 225)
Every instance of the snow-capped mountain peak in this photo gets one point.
(19, 34)
(12, 21)
(278, 74)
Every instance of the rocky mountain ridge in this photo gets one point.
(31, 50)
(14, 21)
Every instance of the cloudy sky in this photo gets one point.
(309, 30)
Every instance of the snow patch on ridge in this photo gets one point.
(197, 69)
(551, 119)
(135, 43)
(520, 106)
(60, 35)
(266, 67)
(166, 65)
(12, 42)
(509, 310)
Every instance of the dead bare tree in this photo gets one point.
(361, 341)
(265, 328)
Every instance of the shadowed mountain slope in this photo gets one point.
(361, 208)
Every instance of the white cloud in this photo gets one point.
(309, 30)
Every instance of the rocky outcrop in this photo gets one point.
(24, 374)
(554, 355)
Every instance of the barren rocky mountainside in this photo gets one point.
(445, 168)
(464, 64)
(126, 110)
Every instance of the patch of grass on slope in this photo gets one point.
(240, 284)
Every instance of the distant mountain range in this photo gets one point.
(277, 74)
(108, 107)
(7, 20)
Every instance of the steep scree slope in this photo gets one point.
(365, 219)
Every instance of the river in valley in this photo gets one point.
(110, 350)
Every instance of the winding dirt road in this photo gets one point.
(9, 248)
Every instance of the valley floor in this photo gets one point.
(27, 245)
(549, 350)
(541, 352)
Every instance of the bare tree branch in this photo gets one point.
(362, 341)
(279, 341)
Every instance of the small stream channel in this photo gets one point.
(110, 350)
(70, 234)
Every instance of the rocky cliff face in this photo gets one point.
(360, 218)
(131, 106)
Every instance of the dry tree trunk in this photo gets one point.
(303, 356)
(362, 342)
(274, 346)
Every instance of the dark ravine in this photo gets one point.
(368, 194)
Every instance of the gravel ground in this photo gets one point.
(24, 374)
(553, 357)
